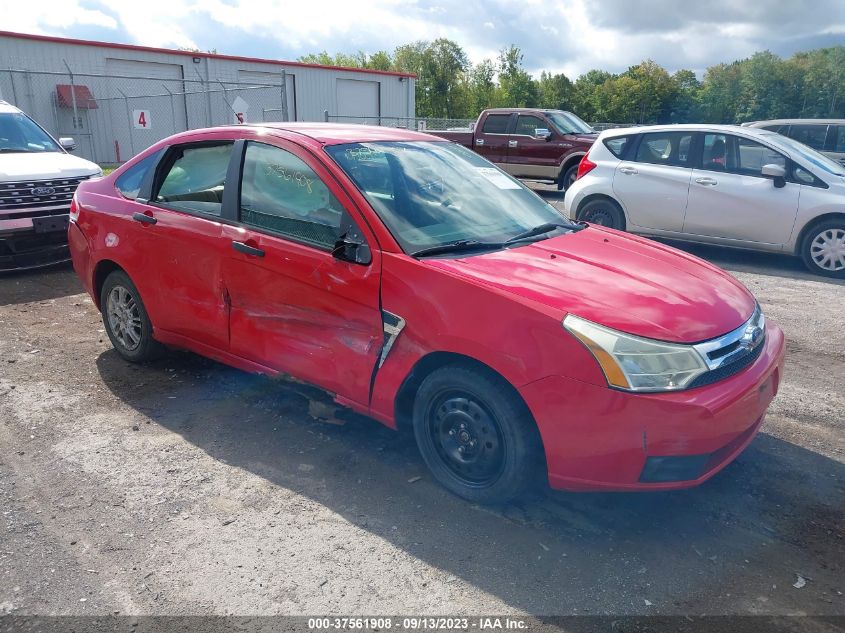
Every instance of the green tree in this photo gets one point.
(585, 94)
(555, 91)
(481, 87)
(518, 89)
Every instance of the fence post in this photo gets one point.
(72, 95)
(326, 116)
(129, 121)
(284, 95)
(173, 108)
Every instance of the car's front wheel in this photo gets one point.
(476, 435)
(604, 212)
(126, 321)
(823, 249)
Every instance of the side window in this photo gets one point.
(195, 179)
(617, 145)
(496, 124)
(839, 140)
(812, 135)
(748, 157)
(129, 182)
(714, 152)
(281, 194)
(526, 124)
(665, 148)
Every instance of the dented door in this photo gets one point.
(293, 306)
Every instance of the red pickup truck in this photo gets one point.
(529, 143)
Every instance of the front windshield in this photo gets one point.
(809, 154)
(433, 193)
(19, 133)
(568, 123)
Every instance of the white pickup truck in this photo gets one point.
(37, 180)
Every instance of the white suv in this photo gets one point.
(720, 184)
(37, 181)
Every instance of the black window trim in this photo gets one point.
(163, 166)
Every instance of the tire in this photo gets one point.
(604, 212)
(126, 321)
(567, 177)
(476, 435)
(823, 249)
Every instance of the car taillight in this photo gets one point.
(585, 166)
(74, 209)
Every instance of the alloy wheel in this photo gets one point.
(124, 317)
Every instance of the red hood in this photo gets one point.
(621, 281)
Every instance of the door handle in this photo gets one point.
(706, 181)
(511, 143)
(143, 218)
(630, 171)
(479, 141)
(247, 249)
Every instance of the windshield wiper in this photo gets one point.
(458, 246)
(540, 229)
(14, 150)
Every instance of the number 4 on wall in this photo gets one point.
(141, 119)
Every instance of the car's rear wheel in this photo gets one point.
(567, 177)
(126, 321)
(604, 212)
(823, 249)
(476, 435)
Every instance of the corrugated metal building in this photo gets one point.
(117, 99)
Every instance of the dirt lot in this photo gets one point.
(185, 487)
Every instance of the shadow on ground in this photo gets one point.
(720, 548)
(39, 285)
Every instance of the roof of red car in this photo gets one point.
(335, 133)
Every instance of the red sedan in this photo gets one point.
(425, 288)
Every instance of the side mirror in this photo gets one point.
(349, 249)
(776, 173)
(67, 143)
(542, 133)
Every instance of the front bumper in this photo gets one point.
(27, 243)
(597, 438)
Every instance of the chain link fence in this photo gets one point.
(423, 124)
(114, 116)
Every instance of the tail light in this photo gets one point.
(74, 209)
(585, 166)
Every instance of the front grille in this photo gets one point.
(22, 200)
(737, 364)
(733, 352)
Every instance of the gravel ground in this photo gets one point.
(186, 487)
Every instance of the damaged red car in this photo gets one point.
(424, 287)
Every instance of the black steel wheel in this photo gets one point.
(603, 212)
(476, 435)
(125, 319)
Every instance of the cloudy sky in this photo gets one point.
(571, 36)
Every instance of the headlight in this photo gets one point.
(637, 364)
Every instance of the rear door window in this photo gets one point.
(839, 140)
(195, 179)
(496, 124)
(665, 148)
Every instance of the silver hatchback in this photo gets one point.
(720, 184)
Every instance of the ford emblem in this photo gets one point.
(42, 191)
(752, 337)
